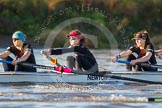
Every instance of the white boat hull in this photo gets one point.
(47, 77)
(53, 77)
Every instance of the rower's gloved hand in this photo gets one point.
(115, 58)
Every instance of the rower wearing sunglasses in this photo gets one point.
(142, 52)
(23, 52)
(83, 59)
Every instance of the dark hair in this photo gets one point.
(144, 33)
(83, 40)
(77, 31)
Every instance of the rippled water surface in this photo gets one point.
(63, 95)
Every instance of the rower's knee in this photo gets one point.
(132, 56)
(70, 58)
(70, 61)
(79, 58)
(8, 67)
(21, 67)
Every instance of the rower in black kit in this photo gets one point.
(23, 53)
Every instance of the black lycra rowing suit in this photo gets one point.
(19, 53)
(83, 58)
(138, 53)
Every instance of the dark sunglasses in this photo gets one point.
(72, 38)
(15, 39)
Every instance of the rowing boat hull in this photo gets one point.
(54, 77)
(49, 77)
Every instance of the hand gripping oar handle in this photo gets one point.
(52, 60)
(59, 67)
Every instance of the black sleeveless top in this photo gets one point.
(141, 53)
(19, 53)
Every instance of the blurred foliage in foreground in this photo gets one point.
(38, 18)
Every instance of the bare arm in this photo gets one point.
(121, 55)
(125, 53)
(24, 57)
(142, 59)
(4, 54)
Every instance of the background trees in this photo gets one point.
(38, 17)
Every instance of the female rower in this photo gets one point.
(83, 58)
(141, 52)
(22, 51)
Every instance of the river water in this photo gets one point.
(63, 95)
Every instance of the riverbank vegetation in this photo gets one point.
(122, 18)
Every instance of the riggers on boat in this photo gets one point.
(101, 77)
(63, 74)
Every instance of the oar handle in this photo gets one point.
(128, 62)
(123, 61)
(5, 61)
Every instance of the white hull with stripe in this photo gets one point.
(53, 77)
(48, 77)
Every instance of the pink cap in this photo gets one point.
(75, 34)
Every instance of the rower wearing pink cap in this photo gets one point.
(83, 59)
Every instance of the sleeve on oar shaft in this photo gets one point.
(143, 64)
(36, 66)
(149, 65)
(25, 64)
